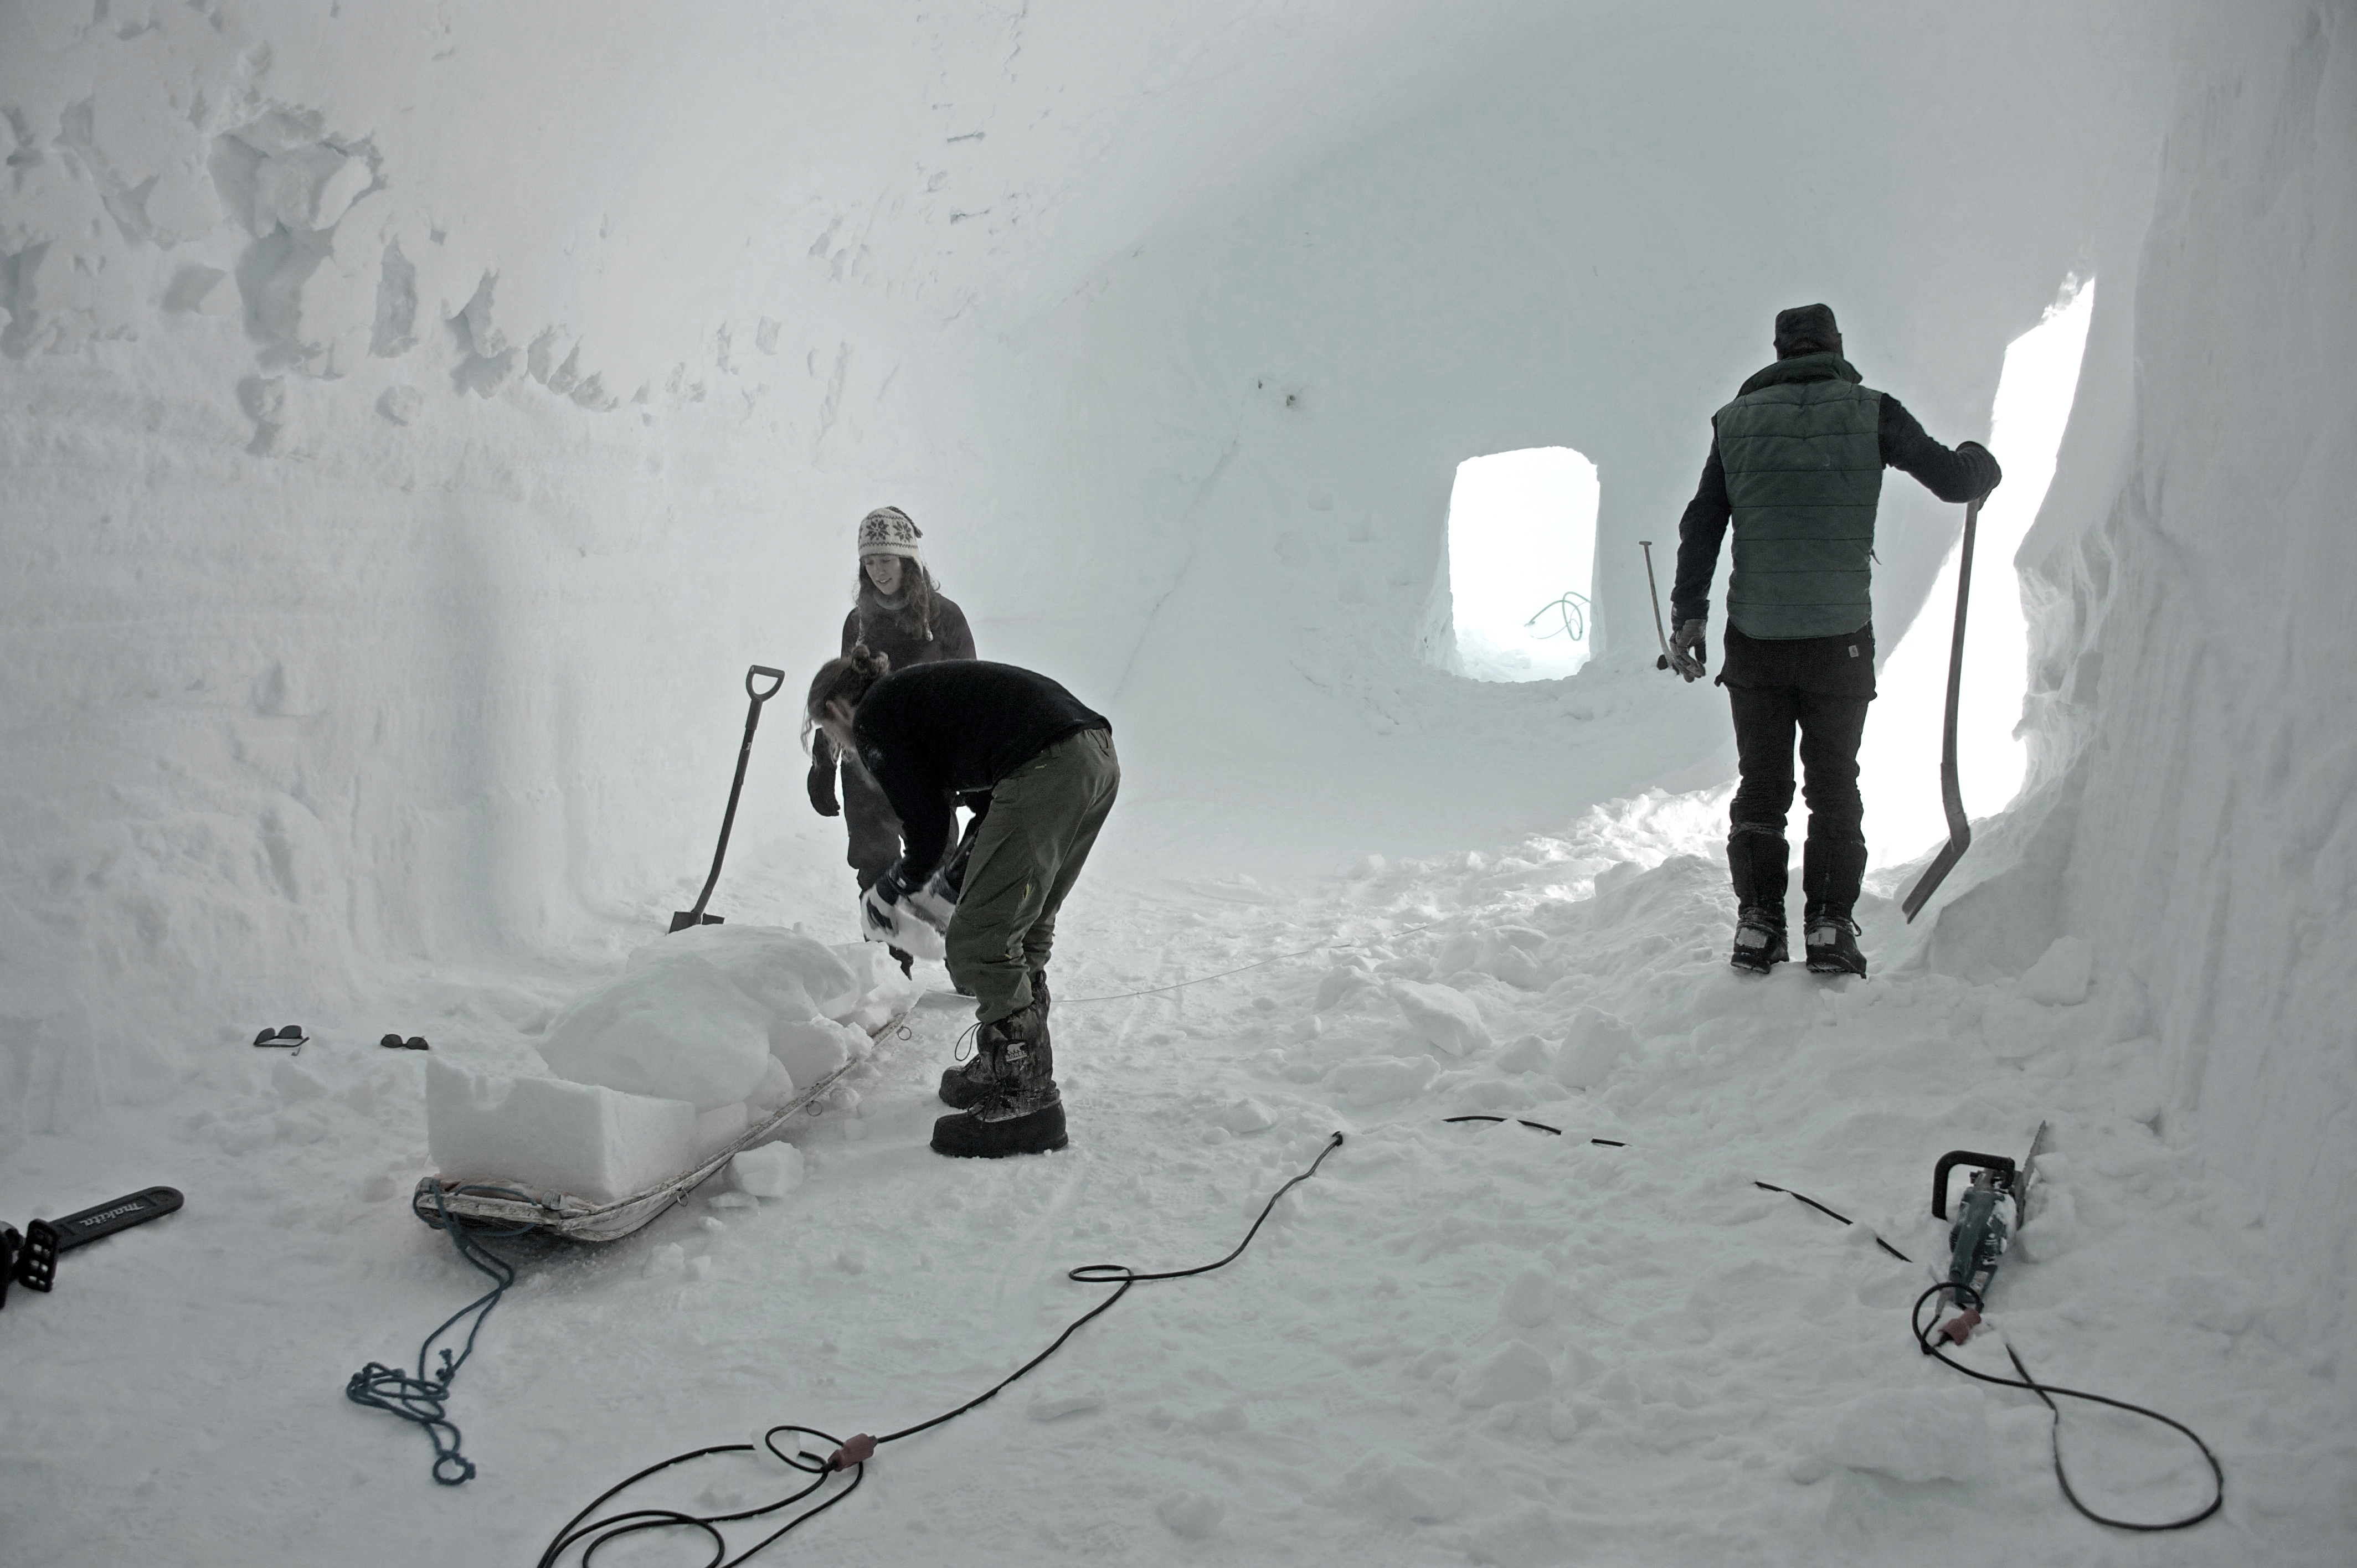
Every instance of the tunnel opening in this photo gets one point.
(1522, 553)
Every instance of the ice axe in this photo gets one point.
(696, 917)
(1960, 827)
(1654, 590)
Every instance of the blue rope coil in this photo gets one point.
(425, 1397)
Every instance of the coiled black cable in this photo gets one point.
(590, 1533)
(2045, 1392)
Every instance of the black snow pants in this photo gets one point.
(1820, 687)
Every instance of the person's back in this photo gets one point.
(1795, 466)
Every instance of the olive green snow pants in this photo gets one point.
(1043, 819)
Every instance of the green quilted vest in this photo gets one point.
(1803, 471)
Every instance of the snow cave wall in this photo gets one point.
(407, 413)
(2192, 804)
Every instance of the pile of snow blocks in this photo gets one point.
(702, 1035)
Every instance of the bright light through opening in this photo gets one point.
(1899, 763)
(1522, 543)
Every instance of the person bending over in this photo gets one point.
(1796, 461)
(900, 612)
(927, 735)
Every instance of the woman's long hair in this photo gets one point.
(848, 679)
(921, 601)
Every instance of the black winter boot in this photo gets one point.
(1021, 1114)
(1830, 937)
(1759, 862)
(965, 1083)
(1759, 940)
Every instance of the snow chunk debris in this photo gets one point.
(1193, 1515)
(771, 1170)
(2062, 976)
(1912, 1434)
(1597, 1042)
(1443, 1015)
(1404, 1489)
(1517, 1370)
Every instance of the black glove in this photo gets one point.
(1690, 648)
(822, 789)
(1986, 461)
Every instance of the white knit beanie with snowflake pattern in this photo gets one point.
(887, 531)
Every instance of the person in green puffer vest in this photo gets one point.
(1796, 464)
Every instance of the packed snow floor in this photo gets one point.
(1471, 1342)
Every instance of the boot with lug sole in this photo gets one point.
(1021, 1114)
(965, 1083)
(1758, 940)
(1832, 944)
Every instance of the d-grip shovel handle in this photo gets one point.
(2001, 1163)
(687, 918)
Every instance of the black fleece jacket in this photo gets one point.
(1953, 475)
(933, 732)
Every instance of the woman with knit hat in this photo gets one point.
(899, 613)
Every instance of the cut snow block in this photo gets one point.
(777, 1086)
(722, 1125)
(679, 1030)
(784, 973)
(1443, 1015)
(2061, 977)
(548, 1135)
(772, 1170)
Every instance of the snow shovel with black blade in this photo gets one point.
(1960, 827)
(696, 917)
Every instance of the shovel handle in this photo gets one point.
(777, 679)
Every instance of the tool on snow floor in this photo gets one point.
(32, 1258)
(851, 1454)
(777, 678)
(289, 1034)
(1951, 798)
(1655, 590)
(1965, 1238)
(1977, 1240)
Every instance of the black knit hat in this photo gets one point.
(1807, 329)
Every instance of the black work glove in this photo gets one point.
(1986, 461)
(822, 789)
(1690, 648)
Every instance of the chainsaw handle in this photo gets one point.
(2001, 1163)
(777, 679)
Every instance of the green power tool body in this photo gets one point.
(1978, 1237)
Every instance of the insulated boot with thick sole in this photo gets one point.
(1022, 1113)
(1758, 940)
(1832, 944)
(965, 1083)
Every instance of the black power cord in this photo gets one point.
(1924, 1333)
(852, 1454)
(2045, 1392)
